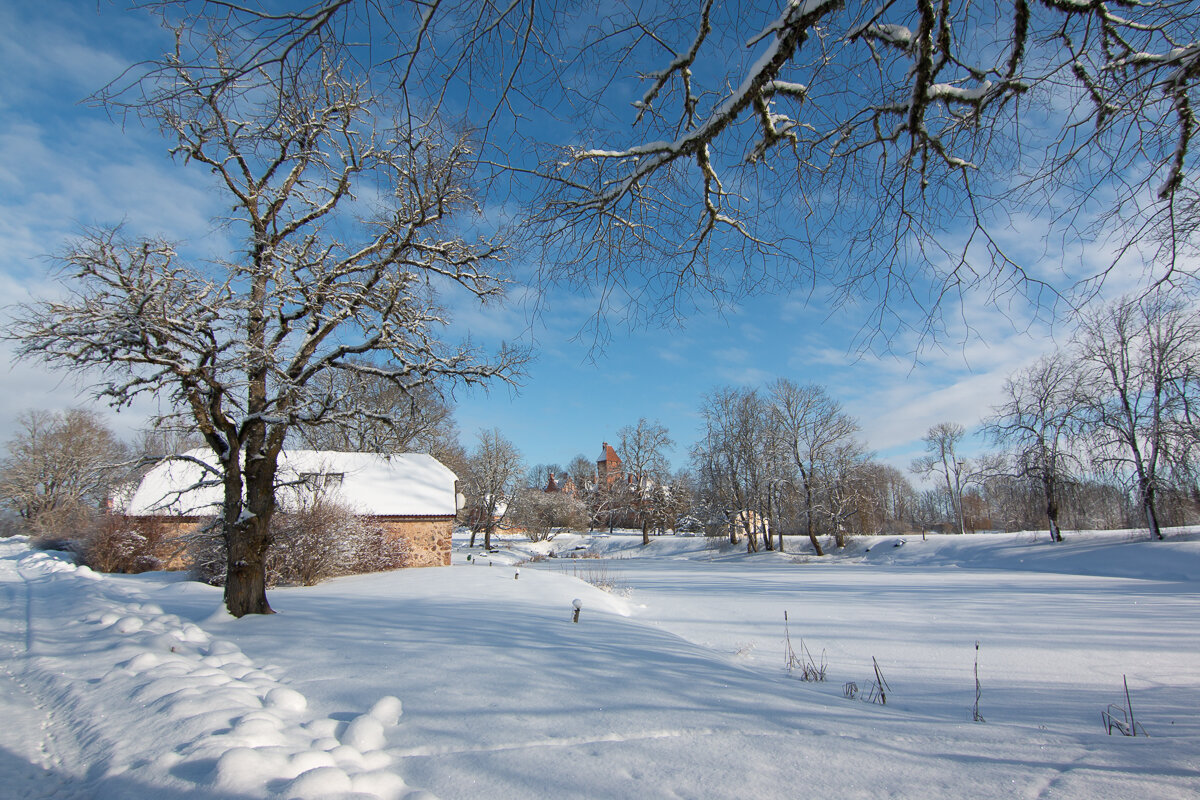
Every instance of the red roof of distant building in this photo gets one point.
(609, 455)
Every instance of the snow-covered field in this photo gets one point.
(471, 681)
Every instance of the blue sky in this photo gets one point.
(64, 166)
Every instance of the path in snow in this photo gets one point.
(111, 697)
(37, 753)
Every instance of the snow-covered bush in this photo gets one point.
(542, 515)
(320, 540)
(379, 552)
(119, 544)
(204, 552)
(311, 544)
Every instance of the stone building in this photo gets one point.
(410, 496)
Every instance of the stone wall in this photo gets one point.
(429, 538)
(172, 547)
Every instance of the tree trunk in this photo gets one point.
(645, 531)
(247, 536)
(246, 574)
(1151, 513)
(812, 536)
(808, 505)
(749, 528)
(1052, 510)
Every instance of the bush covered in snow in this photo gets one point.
(321, 540)
(120, 544)
(543, 515)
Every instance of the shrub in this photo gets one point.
(205, 553)
(542, 515)
(321, 540)
(119, 544)
(60, 528)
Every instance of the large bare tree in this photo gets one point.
(816, 435)
(1040, 418)
(682, 150)
(346, 220)
(1139, 358)
(882, 151)
(643, 455)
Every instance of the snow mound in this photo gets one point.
(188, 712)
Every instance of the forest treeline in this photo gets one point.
(1099, 434)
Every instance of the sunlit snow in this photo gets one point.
(473, 682)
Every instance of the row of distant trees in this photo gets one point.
(1100, 434)
(1120, 403)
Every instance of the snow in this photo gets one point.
(406, 484)
(461, 682)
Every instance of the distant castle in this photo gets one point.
(608, 470)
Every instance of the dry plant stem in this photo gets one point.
(975, 711)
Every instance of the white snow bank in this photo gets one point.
(158, 707)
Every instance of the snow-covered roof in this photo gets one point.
(406, 484)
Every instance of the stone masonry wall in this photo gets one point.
(428, 538)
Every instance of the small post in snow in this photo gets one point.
(578, 604)
(517, 575)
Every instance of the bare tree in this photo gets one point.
(324, 280)
(59, 470)
(843, 474)
(582, 471)
(543, 515)
(1040, 419)
(942, 459)
(494, 472)
(889, 138)
(1138, 356)
(730, 461)
(813, 430)
(390, 418)
(643, 454)
(875, 147)
(538, 476)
